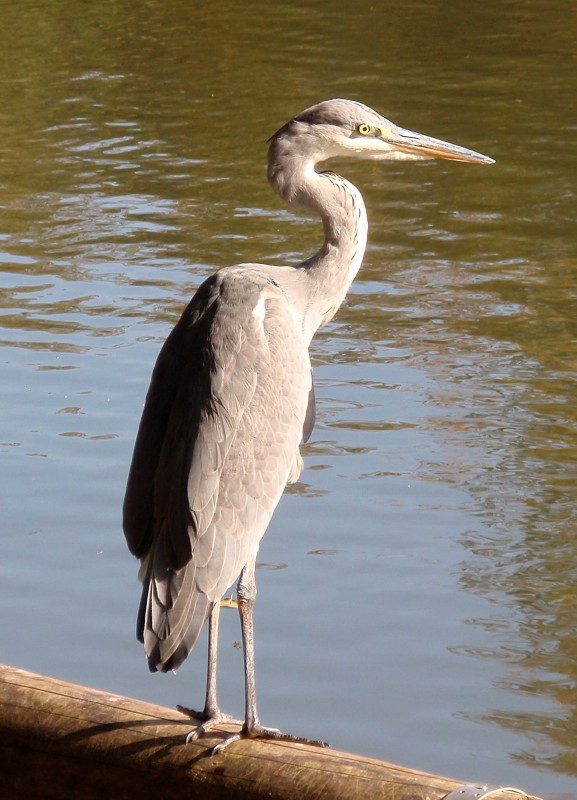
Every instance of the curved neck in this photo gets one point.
(331, 270)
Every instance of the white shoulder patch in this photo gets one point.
(259, 310)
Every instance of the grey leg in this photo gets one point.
(211, 715)
(246, 592)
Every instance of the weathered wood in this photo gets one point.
(59, 741)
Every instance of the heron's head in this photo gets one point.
(347, 128)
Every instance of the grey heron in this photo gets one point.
(231, 399)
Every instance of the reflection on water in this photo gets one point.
(441, 478)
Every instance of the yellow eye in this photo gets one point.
(364, 129)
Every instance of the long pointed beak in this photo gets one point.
(421, 146)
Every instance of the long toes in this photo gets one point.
(195, 733)
(190, 712)
(210, 719)
(260, 732)
(218, 748)
(206, 726)
(208, 722)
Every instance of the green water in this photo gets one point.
(419, 603)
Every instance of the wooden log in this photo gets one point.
(59, 740)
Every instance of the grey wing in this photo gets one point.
(228, 444)
(183, 357)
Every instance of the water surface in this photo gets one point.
(417, 595)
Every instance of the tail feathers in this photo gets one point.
(170, 617)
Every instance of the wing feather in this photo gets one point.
(223, 418)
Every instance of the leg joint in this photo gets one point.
(246, 587)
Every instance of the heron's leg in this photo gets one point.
(211, 714)
(211, 708)
(246, 594)
(252, 728)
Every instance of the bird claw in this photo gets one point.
(261, 732)
(257, 731)
(208, 721)
(195, 733)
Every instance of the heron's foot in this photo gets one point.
(208, 720)
(259, 731)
